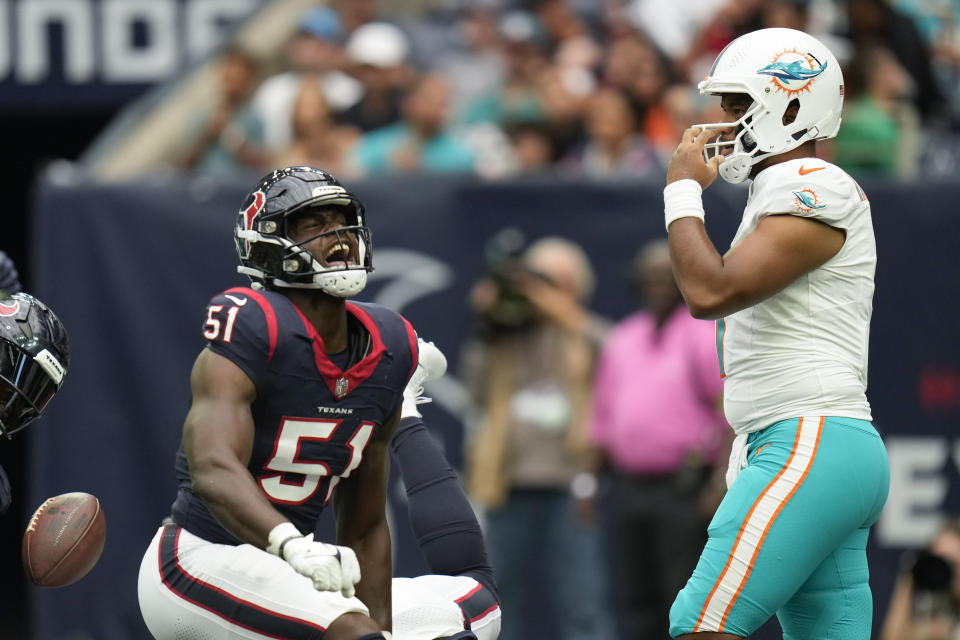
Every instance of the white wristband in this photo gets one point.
(682, 199)
(279, 534)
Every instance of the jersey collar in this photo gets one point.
(341, 383)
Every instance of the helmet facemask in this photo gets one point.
(347, 260)
(34, 357)
(741, 152)
(26, 392)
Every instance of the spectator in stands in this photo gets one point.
(651, 78)
(872, 21)
(561, 24)
(422, 141)
(677, 28)
(619, 65)
(663, 109)
(787, 14)
(880, 127)
(356, 13)
(938, 24)
(563, 105)
(318, 141)
(228, 137)
(614, 147)
(533, 149)
(479, 67)
(378, 53)
(529, 372)
(656, 419)
(314, 52)
(925, 604)
(575, 53)
(679, 108)
(517, 97)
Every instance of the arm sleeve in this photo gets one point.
(440, 515)
(243, 336)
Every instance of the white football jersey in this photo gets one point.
(803, 351)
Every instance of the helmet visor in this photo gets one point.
(25, 388)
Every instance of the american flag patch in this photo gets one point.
(841, 89)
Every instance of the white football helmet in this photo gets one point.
(774, 67)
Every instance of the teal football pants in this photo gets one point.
(790, 535)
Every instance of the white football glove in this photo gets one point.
(331, 568)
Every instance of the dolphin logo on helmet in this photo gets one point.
(791, 71)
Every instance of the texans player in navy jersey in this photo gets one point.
(34, 357)
(295, 399)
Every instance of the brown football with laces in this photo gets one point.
(64, 539)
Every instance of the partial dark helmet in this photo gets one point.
(34, 358)
(272, 259)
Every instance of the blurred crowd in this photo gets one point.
(596, 89)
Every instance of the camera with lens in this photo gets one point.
(505, 268)
(930, 572)
(932, 578)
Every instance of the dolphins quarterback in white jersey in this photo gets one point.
(793, 298)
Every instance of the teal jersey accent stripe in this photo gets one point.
(721, 328)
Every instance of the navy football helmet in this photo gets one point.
(272, 259)
(34, 358)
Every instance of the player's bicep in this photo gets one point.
(781, 249)
(219, 426)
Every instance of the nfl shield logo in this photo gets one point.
(340, 389)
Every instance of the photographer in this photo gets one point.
(925, 604)
(529, 369)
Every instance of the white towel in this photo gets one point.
(738, 458)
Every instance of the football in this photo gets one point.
(63, 539)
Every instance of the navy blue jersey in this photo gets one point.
(312, 421)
